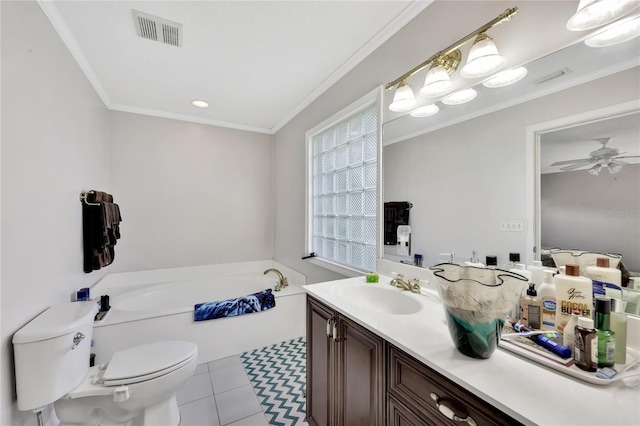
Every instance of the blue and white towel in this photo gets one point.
(256, 302)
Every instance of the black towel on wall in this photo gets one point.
(101, 228)
(396, 213)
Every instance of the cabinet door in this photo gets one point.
(319, 372)
(360, 367)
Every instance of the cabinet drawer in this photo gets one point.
(418, 386)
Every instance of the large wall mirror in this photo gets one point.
(468, 171)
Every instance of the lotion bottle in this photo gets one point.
(474, 261)
(603, 276)
(572, 292)
(547, 298)
(619, 326)
(537, 272)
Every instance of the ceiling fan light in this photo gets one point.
(483, 58)
(595, 170)
(594, 13)
(614, 167)
(616, 33)
(403, 99)
(425, 111)
(460, 97)
(505, 78)
(437, 82)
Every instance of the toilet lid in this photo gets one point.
(146, 362)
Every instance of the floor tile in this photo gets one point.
(224, 379)
(237, 404)
(199, 413)
(201, 369)
(224, 362)
(255, 420)
(197, 387)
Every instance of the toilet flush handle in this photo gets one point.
(77, 339)
(121, 394)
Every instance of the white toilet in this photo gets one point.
(137, 387)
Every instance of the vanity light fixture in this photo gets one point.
(403, 99)
(483, 59)
(200, 104)
(616, 33)
(595, 170)
(425, 111)
(505, 78)
(460, 97)
(594, 13)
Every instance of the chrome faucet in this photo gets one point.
(282, 280)
(412, 285)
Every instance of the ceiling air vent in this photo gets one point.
(157, 29)
(553, 75)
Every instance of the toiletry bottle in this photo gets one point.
(537, 273)
(572, 292)
(547, 298)
(417, 260)
(606, 337)
(514, 258)
(474, 261)
(606, 281)
(521, 269)
(530, 308)
(619, 326)
(491, 262)
(569, 335)
(585, 354)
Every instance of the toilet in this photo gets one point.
(136, 387)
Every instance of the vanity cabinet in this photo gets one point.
(345, 370)
(420, 396)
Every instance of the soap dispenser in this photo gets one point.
(474, 261)
(530, 308)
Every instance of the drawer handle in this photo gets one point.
(448, 412)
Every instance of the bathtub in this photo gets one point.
(151, 306)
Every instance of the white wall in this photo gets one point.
(597, 213)
(190, 194)
(54, 145)
(462, 180)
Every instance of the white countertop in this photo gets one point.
(529, 392)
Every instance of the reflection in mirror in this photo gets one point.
(465, 168)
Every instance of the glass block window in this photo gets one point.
(344, 190)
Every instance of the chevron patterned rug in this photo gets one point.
(278, 375)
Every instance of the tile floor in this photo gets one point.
(220, 394)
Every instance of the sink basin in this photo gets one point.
(382, 300)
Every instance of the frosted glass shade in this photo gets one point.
(594, 13)
(614, 167)
(483, 59)
(437, 82)
(595, 170)
(505, 78)
(616, 33)
(403, 99)
(460, 97)
(425, 111)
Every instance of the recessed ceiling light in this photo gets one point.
(200, 104)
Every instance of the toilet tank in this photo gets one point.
(51, 356)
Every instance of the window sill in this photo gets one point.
(336, 267)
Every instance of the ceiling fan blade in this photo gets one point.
(626, 156)
(579, 160)
(576, 165)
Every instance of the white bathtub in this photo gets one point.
(158, 305)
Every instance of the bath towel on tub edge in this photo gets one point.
(256, 302)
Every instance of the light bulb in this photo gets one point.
(403, 99)
(200, 104)
(505, 78)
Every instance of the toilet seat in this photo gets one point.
(146, 362)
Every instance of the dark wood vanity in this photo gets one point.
(355, 377)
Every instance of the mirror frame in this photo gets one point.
(533, 135)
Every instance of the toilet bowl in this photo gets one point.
(136, 387)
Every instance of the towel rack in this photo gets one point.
(83, 197)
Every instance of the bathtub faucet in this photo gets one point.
(282, 283)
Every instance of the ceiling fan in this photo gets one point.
(602, 157)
